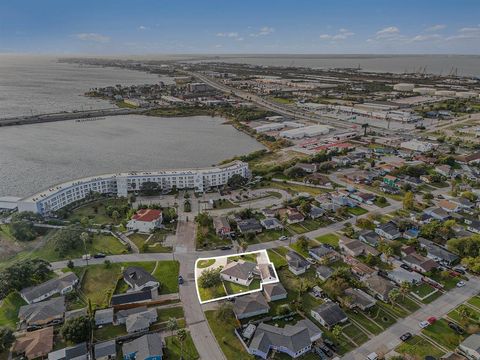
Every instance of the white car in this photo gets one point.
(310, 260)
(424, 324)
(461, 283)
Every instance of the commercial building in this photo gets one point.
(200, 179)
(307, 131)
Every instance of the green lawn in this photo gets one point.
(226, 338)
(357, 211)
(9, 309)
(175, 350)
(422, 290)
(167, 273)
(331, 239)
(277, 259)
(270, 235)
(295, 188)
(202, 264)
(381, 205)
(418, 348)
(106, 244)
(441, 333)
(109, 332)
(98, 217)
(361, 318)
(297, 228)
(301, 251)
(167, 313)
(355, 333)
(210, 241)
(284, 101)
(475, 301)
(472, 320)
(99, 283)
(223, 204)
(233, 288)
(212, 292)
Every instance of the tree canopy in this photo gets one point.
(23, 274)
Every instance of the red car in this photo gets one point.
(431, 320)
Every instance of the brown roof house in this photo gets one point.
(35, 344)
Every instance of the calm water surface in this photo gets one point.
(33, 157)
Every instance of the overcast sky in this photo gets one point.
(239, 26)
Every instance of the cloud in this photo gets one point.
(429, 37)
(266, 30)
(388, 32)
(141, 27)
(93, 37)
(466, 33)
(341, 35)
(228, 34)
(436, 27)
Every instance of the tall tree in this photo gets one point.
(6, 338)
(181, 336)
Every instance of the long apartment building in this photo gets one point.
(199, 179)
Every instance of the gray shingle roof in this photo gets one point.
(137, 276)
(42, 311)
(250, 303)
(145, 346)
(240, 269)
(293, 337)
(131, 297)
(330, 312)
(105, 348)
(53, 285)
(274, 289)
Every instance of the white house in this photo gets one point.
(145, 220)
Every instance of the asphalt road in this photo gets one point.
(390, 338)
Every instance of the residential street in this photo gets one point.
(390, 338)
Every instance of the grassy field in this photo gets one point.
(277, 259)
(223, 204)
(176, 351)
(441, 333)
(99, 283)
(109, 332)
(301, 251)
(97, 217)
(270, 235)
(226, 338)
(154, 245)
(418, 348)
(202, 264)
(357, 211)
(233, 288)
(167, 313)
(422, 290)
(475, 301)
(167, 273)
(9, 309)
(296, 188)
(330, 239)
(472, 320)
(212, 292)
(284, 101)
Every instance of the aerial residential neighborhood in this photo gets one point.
(239, 180)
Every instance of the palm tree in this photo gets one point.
(85, 237)
(172, 324)
(181, 336)
(405, 288)
(464, 313)
(393, 296)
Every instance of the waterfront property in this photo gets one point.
(200, 179)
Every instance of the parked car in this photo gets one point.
(431, 320)
(424, 324)
(86, 257)
(180, 279)
(330, 344)
(320, 353)
(461, 283)
(282, 238)
(456, 328)
(310, 260)
(226, 247)
(99, 255)
(406, 336)
(406, 267)
(326, 350)
(372, 356)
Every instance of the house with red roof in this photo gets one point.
(145, 220)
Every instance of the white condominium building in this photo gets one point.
(120, 184)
